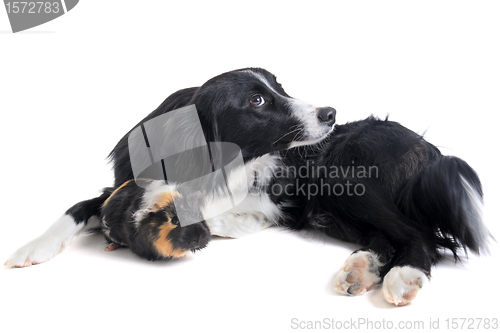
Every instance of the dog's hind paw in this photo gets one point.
(359, 273)
(402, 284)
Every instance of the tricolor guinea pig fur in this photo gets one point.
(144, 219)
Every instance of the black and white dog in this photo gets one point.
(372, 182)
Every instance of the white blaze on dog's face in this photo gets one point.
(318, 122)
(315, 122)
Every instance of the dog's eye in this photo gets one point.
(175, 220)
(257, 100)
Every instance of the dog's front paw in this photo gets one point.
(35, 252)
(402, 284)
(47, 245)
(358, 274)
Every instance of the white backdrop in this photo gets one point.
(71, 88)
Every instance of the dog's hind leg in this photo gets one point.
(375, 222)
(60, 233)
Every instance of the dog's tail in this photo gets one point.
(447, 195)
(76, 219)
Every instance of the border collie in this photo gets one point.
(372, 182)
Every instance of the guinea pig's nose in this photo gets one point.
(197, 242)
(193, 242)
(326, 115)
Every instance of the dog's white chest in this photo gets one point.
(255, 210)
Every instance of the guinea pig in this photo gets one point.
(144, 219)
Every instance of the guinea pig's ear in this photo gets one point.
(162, 200)
(155, 208)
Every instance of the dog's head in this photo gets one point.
(250, 108)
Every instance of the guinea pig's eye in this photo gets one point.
(257, 100)
(175, 220)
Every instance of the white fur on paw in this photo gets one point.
(237, 225)
(47, 245)
(35, 252)
(358, 274)
(402, 284)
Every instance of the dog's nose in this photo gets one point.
(326, 115)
